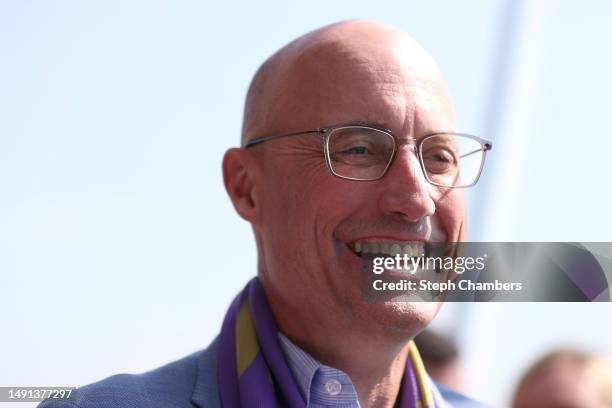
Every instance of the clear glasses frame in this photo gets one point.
(326, 133)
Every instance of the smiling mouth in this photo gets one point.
(365, 248)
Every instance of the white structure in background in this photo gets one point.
(548, 179)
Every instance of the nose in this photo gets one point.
(405, 191)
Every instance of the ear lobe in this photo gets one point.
(239, 182)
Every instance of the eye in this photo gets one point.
(442, 156)
(439, 160)
(357, 150)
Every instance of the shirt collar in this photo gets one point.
(312, 377)
(320, 385)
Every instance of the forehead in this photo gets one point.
(388, 81)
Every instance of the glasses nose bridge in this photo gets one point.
(408, 144)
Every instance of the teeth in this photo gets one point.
(415, 249)
(418, 250)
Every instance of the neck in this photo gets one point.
(376, 370)
(374, 361)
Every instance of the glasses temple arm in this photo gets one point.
(485, 147)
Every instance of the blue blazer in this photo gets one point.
(189, 382)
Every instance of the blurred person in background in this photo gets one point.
(566, 379)
(441, 358)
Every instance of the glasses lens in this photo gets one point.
(360, 153)
(452, 160)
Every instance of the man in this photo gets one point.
(345, 151)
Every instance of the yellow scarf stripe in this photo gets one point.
(421, 376)
(247, 346)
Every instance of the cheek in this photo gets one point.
(291, 199)
(450, 210)
(300, 187)
(304, 212)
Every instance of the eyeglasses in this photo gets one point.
(365, 153)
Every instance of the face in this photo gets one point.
(310, 223)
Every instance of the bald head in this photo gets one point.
(335, 69)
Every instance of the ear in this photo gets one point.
(239, 168)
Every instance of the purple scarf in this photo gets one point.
(253, 372)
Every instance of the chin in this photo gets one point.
(406, 319)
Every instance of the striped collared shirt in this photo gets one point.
(321, 386)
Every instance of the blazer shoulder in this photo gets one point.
(168, 386)
(456, 400)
